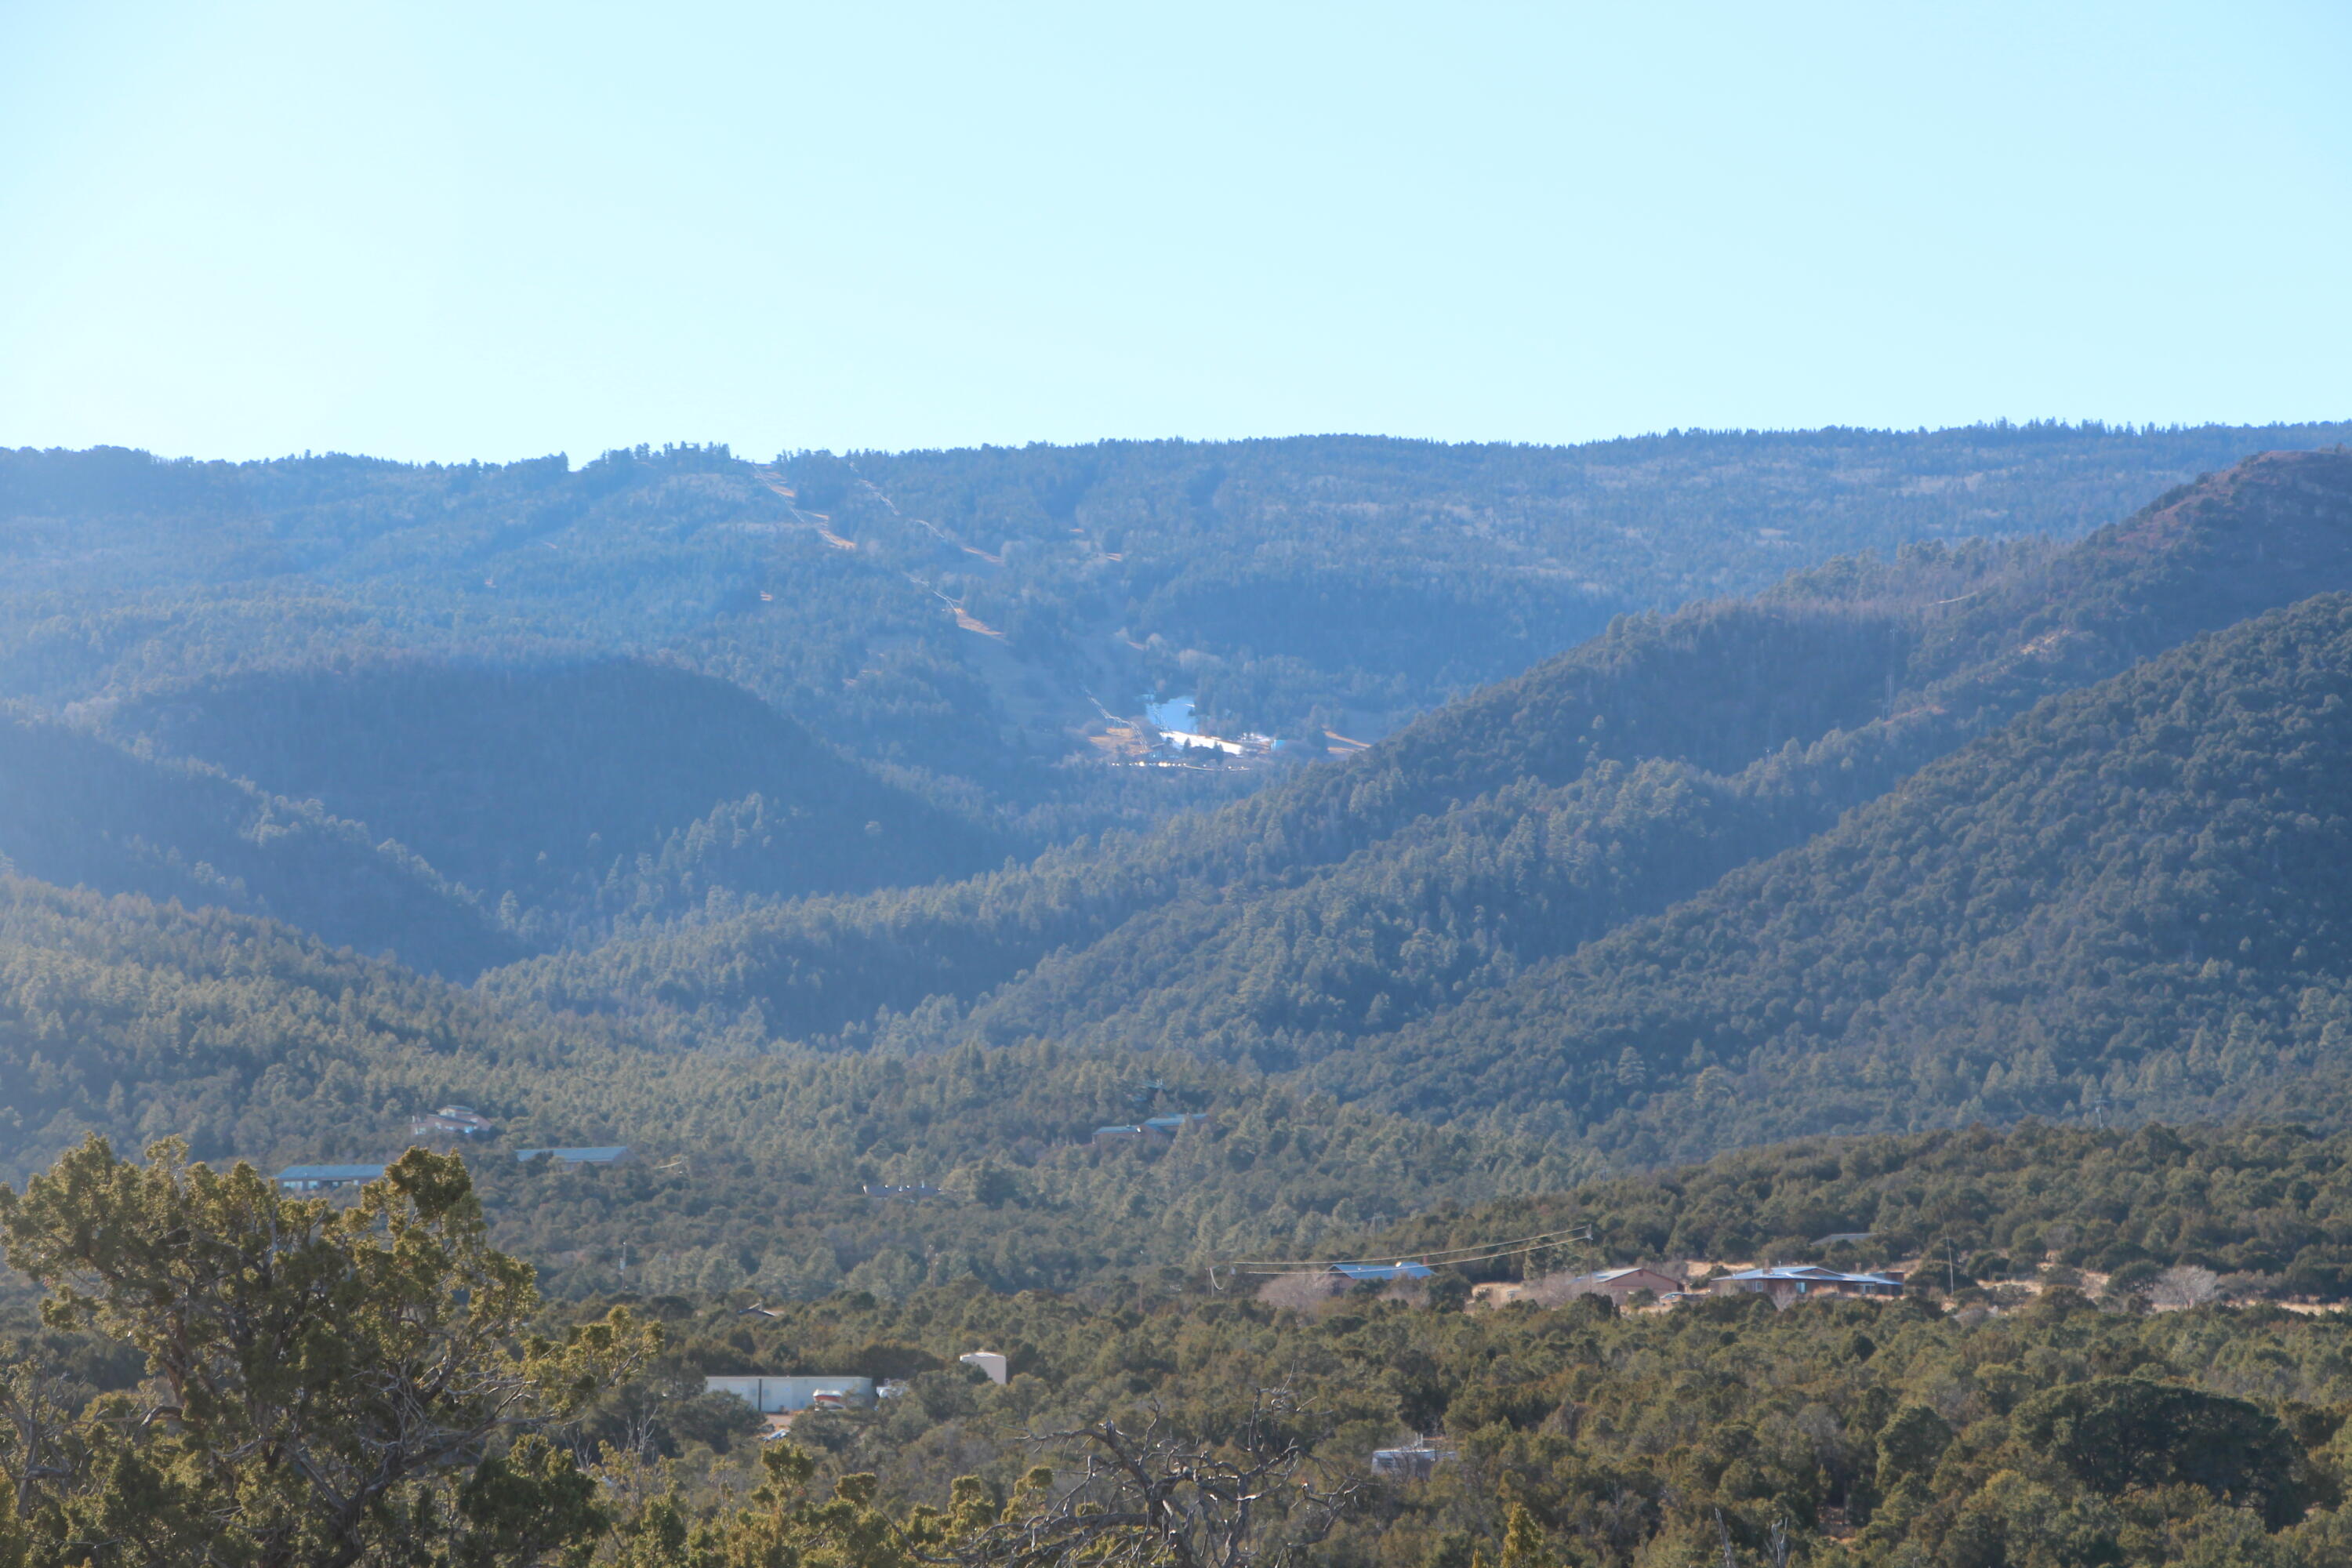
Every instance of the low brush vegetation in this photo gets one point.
(222, 1375)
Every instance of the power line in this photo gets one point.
(1483, 1252)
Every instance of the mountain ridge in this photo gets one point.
(1017, 945)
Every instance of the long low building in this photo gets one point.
(777, 1395)
(1794, 1282)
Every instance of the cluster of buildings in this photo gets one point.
(1784, 1284)
(452, 1121)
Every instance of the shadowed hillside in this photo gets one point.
(568, 794)
(79, 810)
(1532, 816)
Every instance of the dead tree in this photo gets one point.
(1149, 1499)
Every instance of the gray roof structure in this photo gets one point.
(613, 1155)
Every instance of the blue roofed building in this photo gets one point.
(615, 1155)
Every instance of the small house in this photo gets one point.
(1618, 1284)
(451, 1122)
(436, 1125)
(316, 1178)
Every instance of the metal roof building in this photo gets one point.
(310, 1178)
(612, 1156)
(1791, 1282)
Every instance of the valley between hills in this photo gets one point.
(1919, 852)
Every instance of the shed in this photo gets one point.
(775, 1395)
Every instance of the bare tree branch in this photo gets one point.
(1150, 1499)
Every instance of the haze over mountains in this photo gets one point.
(685, 812)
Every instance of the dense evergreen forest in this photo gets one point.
(531, 707)
(1340, 924)
(1341, 581)
(1973, 831)
(1869, 849)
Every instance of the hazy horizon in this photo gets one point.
(248, 227)
(579, 460)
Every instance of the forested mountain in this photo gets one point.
(2134, 894)
(1905, 841)
(971, 613)
(1374, 577)
(79, 810)
(254, 1041)
(1511, 826)
(567, 792)
(1971, 892)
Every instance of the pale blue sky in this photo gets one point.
(428, 230)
